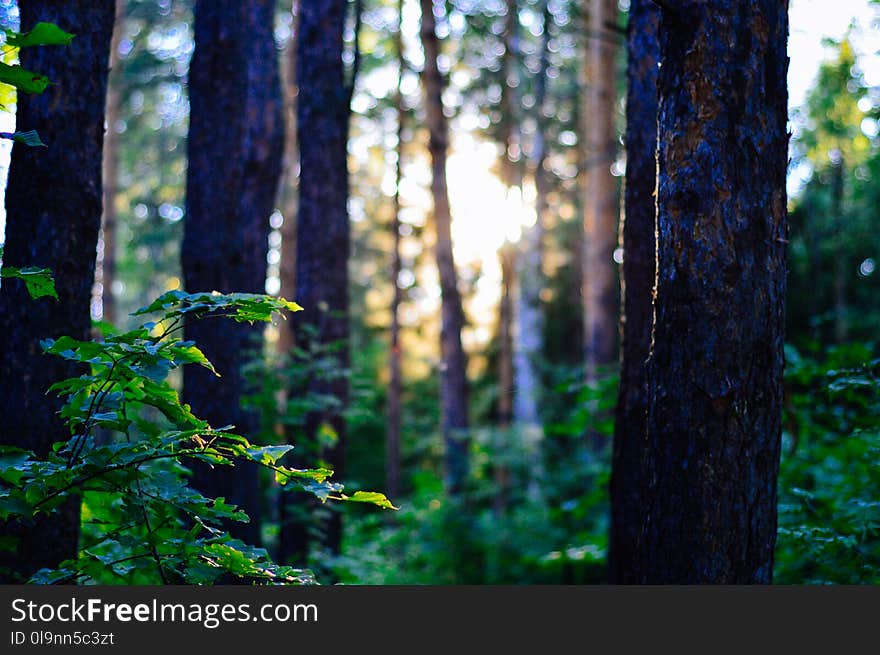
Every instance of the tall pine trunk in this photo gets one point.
(528, 315)
(637, 282)
(716, 363)
(395, 382)
(453, 367)
(289, 189)
(601, 216)
(53, 215)
(323, 245)
(234, 150)
(111, 171)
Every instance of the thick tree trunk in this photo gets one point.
(716, 363)
(601, 216)
(53, 215)
(234, 151)
(111, 171)
(453, 367)
(323, 243)
(395, 383)
(637, 282)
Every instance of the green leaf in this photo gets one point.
(38, 281)
(29, 138)
(372, 497)
(24, 80)
(41, 34)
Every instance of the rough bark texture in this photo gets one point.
(392, 445)
(234, 150)
(453, 367)
(53, 205)
(323, 238)
(111, 171)
(715, 369)
(637, 282)
(601, 215)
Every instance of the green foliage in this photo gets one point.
(37, 281)
(829, 486)
(29, 138)
(41, 34)
(24, 80)
(131, 440)
(550, 529)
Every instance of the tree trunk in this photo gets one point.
(323, 244)
(715, 369)
(507, 255)
(841, 323)
(601, 216)
(288, 193)
(111, 171)
(392, 453)
(528, 314)
(234, 151)
(637, 282)
(53, 215)
(453, 367)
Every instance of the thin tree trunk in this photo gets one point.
(507, 255)
(453, 373)
(841, 324)
(392, 455)
(716, 362)
(322, 247)
(234, 150)
(528, 314)
(637, 282)
(110, 173)
(288, 193)
(601, 216)
(53, 215)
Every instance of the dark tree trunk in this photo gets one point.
(53, 215)
(234, 151)
(392, 454)
(453, 368)
(111, 172)
(601, 215)
(637, 282)
(323, 244)
(715, 369)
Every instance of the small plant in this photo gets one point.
(131, 439)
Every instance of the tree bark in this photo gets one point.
(601, 216)
(323, 243)
(234, 151)
(392, 454)
(716, 363)
(453, 367)
(637, 282)
(53, 205)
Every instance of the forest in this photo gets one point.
(440, 292)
